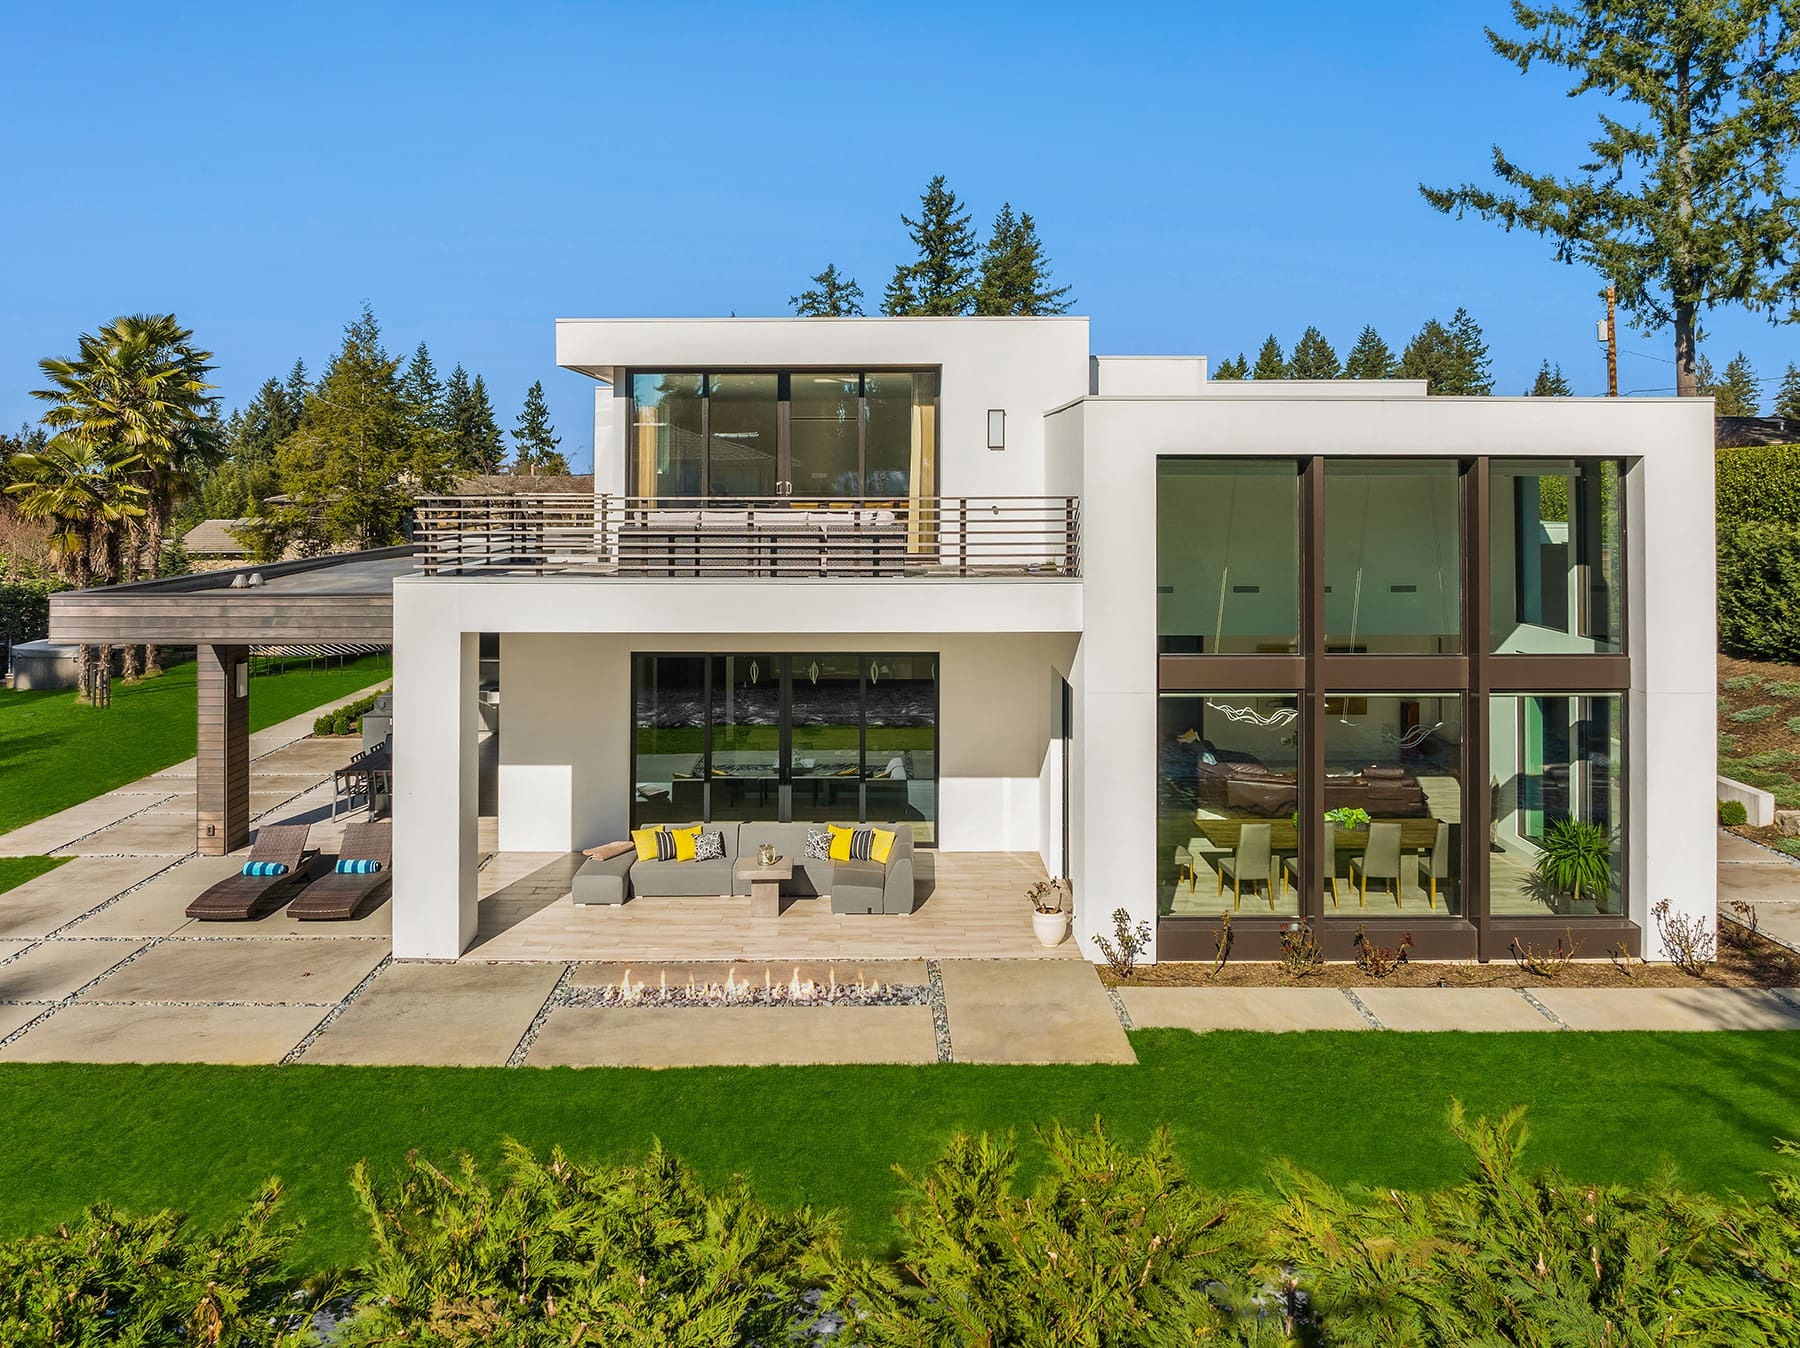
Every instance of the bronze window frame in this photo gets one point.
(1475, 674)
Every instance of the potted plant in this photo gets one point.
(1577, 855)
(1049, 922)
(1349, 818)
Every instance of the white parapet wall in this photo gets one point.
(1759, 804)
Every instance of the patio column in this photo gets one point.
(222, 765)
(436, 720)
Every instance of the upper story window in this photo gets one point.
(1228, 556)
(1393, 556)
(825, 434)
(1557, 558)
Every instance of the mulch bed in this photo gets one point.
(1745, 961)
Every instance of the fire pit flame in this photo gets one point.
(735, 991)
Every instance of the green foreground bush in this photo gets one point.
(345, 720)
(1109, 1248)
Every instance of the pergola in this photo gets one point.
(334, 602)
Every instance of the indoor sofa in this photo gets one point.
(1384, 791)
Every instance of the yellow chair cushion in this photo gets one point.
(644, 839)
(883, 846)
(840, 841)
(684, 841)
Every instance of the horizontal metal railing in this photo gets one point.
(774, 536)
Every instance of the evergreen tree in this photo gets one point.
(1549, 383)
(350, 468)
(422, 390)
(1232, 367)
(298, 386)
(475, 445)
(1684, 201)
(1738, 394)
(1475, 370)
(899, 299)
(1432, 355)
(1314, 358)
(1787, 397)
(1270, 362)
(534, 439)
(836, 297)
(942, 280)
(1370, 358)
(1015, 273)
(269, 418)
(1705, 386)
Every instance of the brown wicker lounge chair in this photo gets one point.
(238, 898)
(343, 898)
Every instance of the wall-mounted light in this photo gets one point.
(996, 428)
(241, 673)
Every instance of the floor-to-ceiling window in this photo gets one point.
(1452, 633)
(823, 737)
(807, 434)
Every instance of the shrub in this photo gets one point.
(1740, 682)
(1774, 758)
(1688, 942)
(1112, 1247)
(560, 1253)
(1752, 715)
(1783, 688)
(25, 608)
(1733, 813)
(347, 719)
(111, 1278)
(1129, 942)
(1758, 485)
(1759, 590)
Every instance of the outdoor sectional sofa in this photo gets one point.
(854, 886)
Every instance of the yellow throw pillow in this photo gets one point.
(644, 839)
(883, 846)
(840, 841)
(684, 841)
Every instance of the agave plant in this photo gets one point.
(1577, 854)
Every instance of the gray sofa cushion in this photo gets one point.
(681, 878)
(859, 887)
(604, 881)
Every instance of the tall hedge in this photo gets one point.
(25, 609)
(1759, 485)
(1759, 591)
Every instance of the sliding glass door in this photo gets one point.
(827, 737)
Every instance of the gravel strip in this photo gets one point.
(940, 1010)
(312, 1035)
(1118, 1005)
(1362, 1008)
(1542, 1010)
(559, 996)
(67, 998)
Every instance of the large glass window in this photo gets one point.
(900, 433)
(826, 457)
(666, 431)
(743, 444)
(1558, 796)
(900, 739)
(1394, 791)
(1393, 556)
(1227, 555)
(825, 707)
(1227, 792)
(1556, 556)
(669, 737)
(744, 769)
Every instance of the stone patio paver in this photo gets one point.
(52, 900)
(305, 758)
(53, 970)
(252, 970)
(731, 1036)
(1454, 1009)
(439, 1015)
(147, 834)
(46, 835)
(158, 908)
(1203, 1009)
(1028, 1011)
(1670, 1008)
(82, 1032)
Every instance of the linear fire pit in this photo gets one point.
(768, 990)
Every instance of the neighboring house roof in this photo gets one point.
(515, 484)
(215, 538)
(1742, 432)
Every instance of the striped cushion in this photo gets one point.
(265, 868)
(665, 845)
(862, 844)
(347, 866)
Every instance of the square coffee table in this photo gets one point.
(765, 884)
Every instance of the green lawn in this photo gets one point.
(1360, 1108)
(55, 753)
(15, 871)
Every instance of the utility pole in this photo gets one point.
(1609, 334)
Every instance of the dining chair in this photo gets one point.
(1290, 866)
(1252, 861)
(1437, 862)
(1380, 861)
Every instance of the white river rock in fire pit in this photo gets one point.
(770, 991)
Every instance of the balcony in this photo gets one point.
(770, 537)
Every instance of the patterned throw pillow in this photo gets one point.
(665, 845)
(265, 868)
(709, 846)
(818, 844)
(347, 866)
(862, 843)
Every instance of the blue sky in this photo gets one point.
(1202, 174)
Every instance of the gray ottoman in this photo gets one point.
(606, 881)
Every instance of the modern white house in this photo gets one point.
(1329, 650)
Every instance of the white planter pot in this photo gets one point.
(1050, 928)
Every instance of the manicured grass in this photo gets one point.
(1360, 1108)
(55, 753)
(15, 871)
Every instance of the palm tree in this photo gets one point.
(139, 386)
(89, 499)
